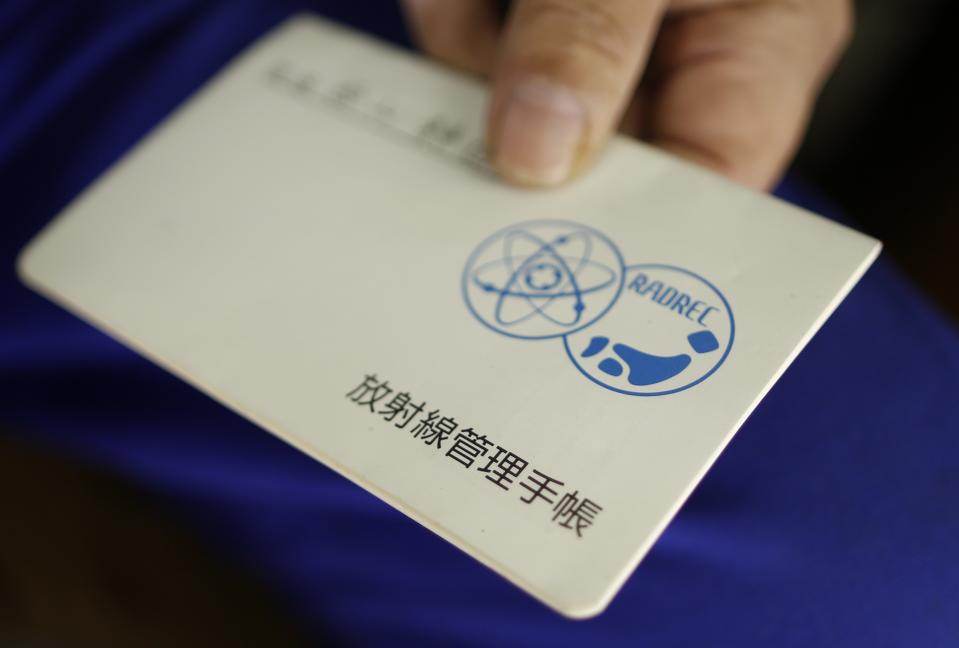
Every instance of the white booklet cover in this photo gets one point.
(540, 377)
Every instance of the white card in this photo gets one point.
(540, 377)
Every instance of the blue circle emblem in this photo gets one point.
(542, 279)
(671, 330)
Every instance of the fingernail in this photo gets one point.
(539, 134)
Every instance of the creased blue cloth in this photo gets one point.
(831, 520)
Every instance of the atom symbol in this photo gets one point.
(543, 277)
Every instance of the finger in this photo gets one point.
(733, 86)
(463, 33)
(562, 80)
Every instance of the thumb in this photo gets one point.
(566, 71)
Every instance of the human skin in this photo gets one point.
(728, 84)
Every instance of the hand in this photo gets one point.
(726, 83)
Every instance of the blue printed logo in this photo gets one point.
(647, 329)
(543, 279)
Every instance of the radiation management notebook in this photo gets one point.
(540, 377)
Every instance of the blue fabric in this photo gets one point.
(831, 519)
